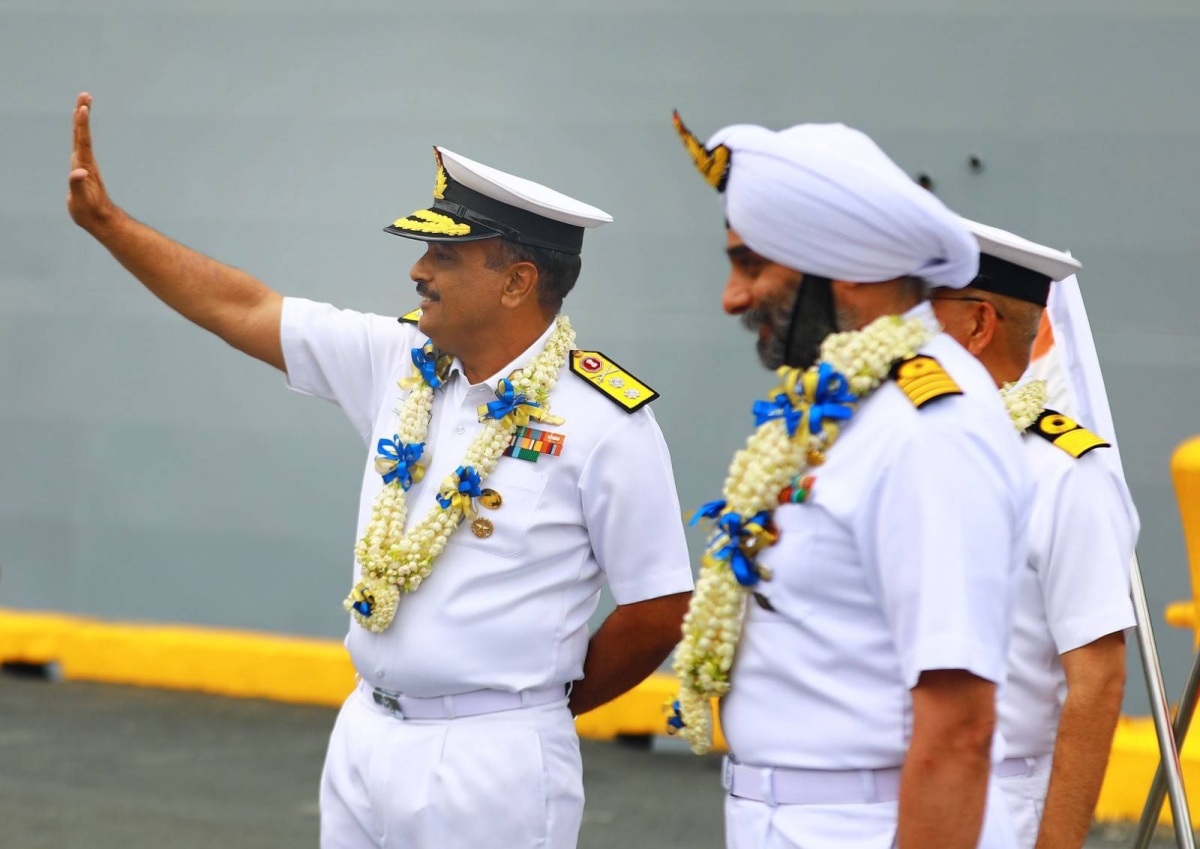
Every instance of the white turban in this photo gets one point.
(824, 199)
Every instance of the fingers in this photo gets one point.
(83, 130)
(78, 175)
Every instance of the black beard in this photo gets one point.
(776, 316)
(797, 324)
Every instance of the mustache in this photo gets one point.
(425, 292)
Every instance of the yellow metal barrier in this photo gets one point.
(176, 657)
(1185, 471)
(253, 665)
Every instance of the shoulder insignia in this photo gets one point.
(923, 380)
(1066, 434)
(605, 376)
(410, 317)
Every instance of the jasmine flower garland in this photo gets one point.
(798, 425)
(393, 561)
(1025, 402)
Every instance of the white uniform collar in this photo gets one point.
(524, 359)
(924, 312)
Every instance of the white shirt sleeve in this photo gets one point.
(632, 512)
(343, 356)
(939, 545)
(1085, 577)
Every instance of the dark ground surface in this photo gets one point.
(104, 767)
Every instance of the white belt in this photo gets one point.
(1021, 766)
(464, 704)
(781, 786)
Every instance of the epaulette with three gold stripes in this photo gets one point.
(1066, 433)
(923, 379)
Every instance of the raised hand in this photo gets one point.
(227, 301)
(87, 199)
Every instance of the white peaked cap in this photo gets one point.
(521, 193)
(473, 201)
(1010, 247)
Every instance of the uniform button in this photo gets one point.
(379, 674)
(460, 430)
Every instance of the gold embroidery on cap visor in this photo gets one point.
(713, 164)
(432, 223)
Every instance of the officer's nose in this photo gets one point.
(737, 298)
(420, 271)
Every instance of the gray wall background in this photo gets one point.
(149, 473)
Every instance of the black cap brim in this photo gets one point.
(1011, 280)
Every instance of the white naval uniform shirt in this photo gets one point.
(509, 612)
(1074, 585)
(903, 560)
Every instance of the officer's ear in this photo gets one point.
(985, 320)
(520, 284)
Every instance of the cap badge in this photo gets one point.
(439, 188)
(713, 164)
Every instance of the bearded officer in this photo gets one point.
(1067, 660)
(871, 529)
(507, 476)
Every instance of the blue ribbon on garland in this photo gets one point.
(737, 531)
(406, 456)
(363, 600)
(779, 408)
(468, 487)
(831, 399)
(733, 532)
(508, 401)
(711, 510)
(675, 720)
(425, 359)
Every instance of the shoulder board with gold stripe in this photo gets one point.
(923, 380)
(605, 376)
(1066, 434)
(410, 317)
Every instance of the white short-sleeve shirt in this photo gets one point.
(1074, 585)
(509, 611)
(904, 559)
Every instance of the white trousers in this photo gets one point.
(508, 780)
(1026, 796)
(757, 825)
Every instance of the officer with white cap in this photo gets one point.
(1067, 660)
(507, 477)
(855, 601)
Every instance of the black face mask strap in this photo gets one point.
(813, 318)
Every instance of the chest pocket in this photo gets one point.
(794, 561)
(520, 489)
